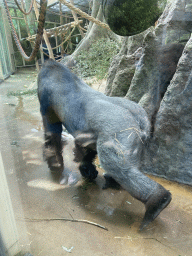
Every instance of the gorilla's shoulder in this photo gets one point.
(52, 64)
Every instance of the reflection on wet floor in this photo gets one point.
(25, 115)
(42, 197)
(44, 184)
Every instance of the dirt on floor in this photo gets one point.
(96, 222)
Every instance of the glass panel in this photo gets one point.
(4, 53)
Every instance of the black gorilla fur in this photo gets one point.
(114, 128)
(85, 154)
(87, 169)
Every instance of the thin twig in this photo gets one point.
(119, 145)
(129, 135)
(152, 238)
(136, 130)
(65, 219)
(146, 238)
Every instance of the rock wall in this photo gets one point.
(170, 150)
(155, 69)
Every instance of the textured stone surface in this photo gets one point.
(172, 157)
(131, 51)
(122, 72)
(154, 69)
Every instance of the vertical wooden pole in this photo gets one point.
(61, 23)
(56, 39)
(42, 56)
(30, 18)
(44, 33)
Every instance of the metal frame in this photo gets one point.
(7, 65)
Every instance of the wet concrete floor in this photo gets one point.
(37, 194)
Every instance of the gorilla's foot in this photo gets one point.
(88, 171)
(54, 160)
(54, 165)
(69, 177)
(155, 204)
(110, 182)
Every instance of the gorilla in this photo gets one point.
(114, 128)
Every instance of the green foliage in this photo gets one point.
(96, 60)
(129, 17)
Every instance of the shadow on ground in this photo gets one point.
(36, 194)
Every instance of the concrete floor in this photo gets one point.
(36, 193)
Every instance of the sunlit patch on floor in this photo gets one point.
(28, 154)
(45, 184)
(33, 137)
(34, 161)
(31, 157)
(34, 130)
(188, 208)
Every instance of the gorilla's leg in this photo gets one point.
(153, 195)
(85, 152)
(157, 201)
(110, 182)
(87, 168)
(52, 151)
(122, 167)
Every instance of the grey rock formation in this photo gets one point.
(154, 69)
(121, 73)
(129, 55)
(170, 150)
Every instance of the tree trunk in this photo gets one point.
(94, 32)
(30, 18)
